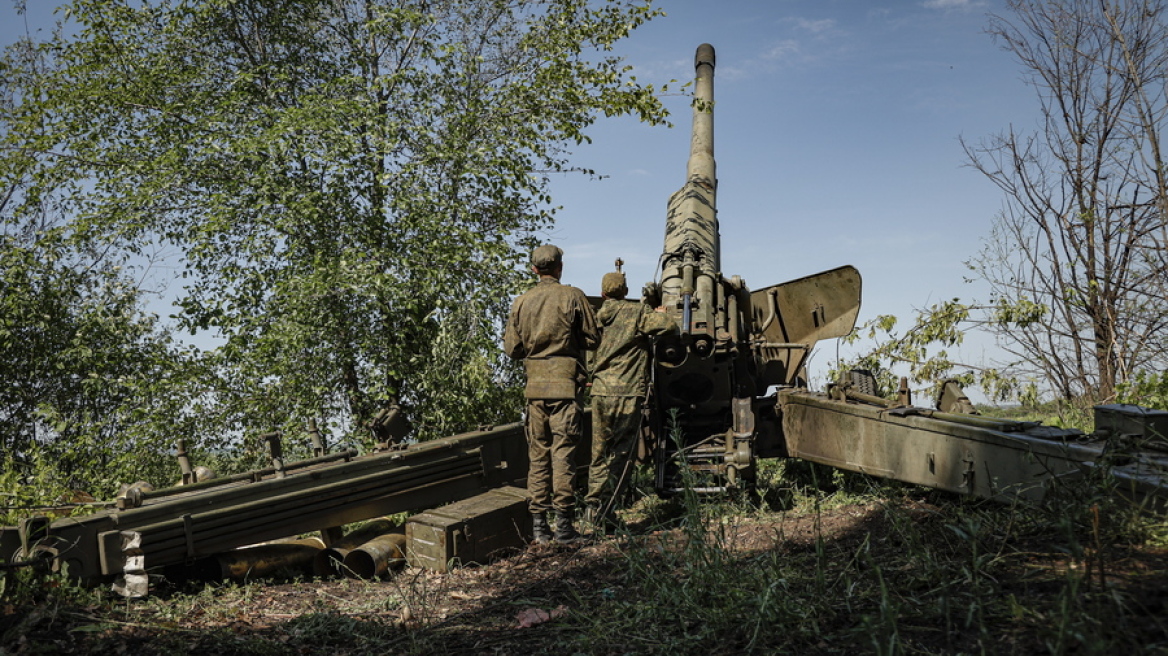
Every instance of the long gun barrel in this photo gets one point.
(732, 345)
(691, 258)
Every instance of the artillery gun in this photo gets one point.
(728, 388)
(733, 345)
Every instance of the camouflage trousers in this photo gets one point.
(554, 427)
(616, 422)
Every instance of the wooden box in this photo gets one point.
(469, 531)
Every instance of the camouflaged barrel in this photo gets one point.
(691, 258)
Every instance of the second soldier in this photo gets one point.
(620, 386)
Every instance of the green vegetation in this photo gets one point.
(340, 194)
(339, 197)
(823, 562)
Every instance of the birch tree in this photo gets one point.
(345, 190)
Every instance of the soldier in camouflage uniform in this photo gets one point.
(550, 327)
(620, 383)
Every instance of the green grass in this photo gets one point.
(848, 565)
(821, 562)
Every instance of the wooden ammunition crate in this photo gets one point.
(469, 531)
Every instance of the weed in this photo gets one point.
(841, 564)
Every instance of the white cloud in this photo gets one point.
(816, 26)
(808, 40)
(960, 5)
(781, 51)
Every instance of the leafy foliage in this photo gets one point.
(1145, 388)
(923, 348)
(344, 191)
(78, 357)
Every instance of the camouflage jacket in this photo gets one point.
(550, 327)
(621, 365)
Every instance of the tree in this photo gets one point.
(351, 185)
(83, 368)
(80, 361)
(1078, 250)
(921, 352)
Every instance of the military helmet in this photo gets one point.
(546, 256)
(613, 285)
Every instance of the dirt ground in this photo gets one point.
(592, 599)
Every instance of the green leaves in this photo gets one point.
(1020, 311)
(1149, 389)
(79, 364)
(923, 348)
(348, 189)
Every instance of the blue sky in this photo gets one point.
(836, 139)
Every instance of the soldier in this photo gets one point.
(550, 327)
(620, 386)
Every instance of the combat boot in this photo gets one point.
(565, 532)
(540, 532)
